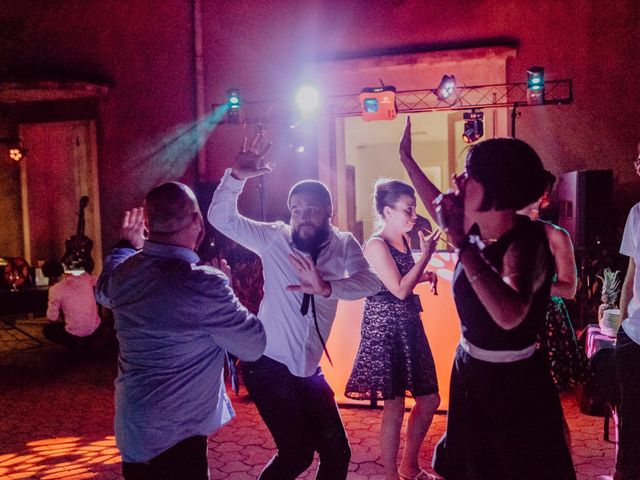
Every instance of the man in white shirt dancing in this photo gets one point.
(628, 352)
(308, 265)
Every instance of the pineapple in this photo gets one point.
(610, 290)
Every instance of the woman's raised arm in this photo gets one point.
(425, 189)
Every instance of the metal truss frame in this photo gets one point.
(556, 92)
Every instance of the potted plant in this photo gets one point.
(610, 292)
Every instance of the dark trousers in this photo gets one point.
(186, 460)
(628, 367)
(302, 416)
(56, 333)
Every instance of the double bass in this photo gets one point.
(77, 255)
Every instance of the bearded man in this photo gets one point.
(308, 266)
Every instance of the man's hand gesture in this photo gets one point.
(310, 280)
(133, 227)
(250, 163)
(222, 265)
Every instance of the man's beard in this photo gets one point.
(311, 244)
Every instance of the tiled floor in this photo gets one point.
(56, 423)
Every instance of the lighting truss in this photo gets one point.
(556, 92)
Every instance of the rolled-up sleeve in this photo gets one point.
(224, 216)
(361, 281)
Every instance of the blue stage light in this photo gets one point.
(535, 78)
(535, 86)
(233, 99)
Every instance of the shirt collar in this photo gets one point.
(170, 251)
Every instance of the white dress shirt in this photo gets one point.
(631, 248)
(291, 337)
(74, 294)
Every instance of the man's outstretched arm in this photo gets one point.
(223, 212)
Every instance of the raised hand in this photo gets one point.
(405, 141)
(133, 227)
(250, 163)
(223, 266)
(310, 280)
(428, 244)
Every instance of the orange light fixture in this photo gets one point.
(378, 103)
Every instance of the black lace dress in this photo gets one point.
(505, 419)
(394, 358)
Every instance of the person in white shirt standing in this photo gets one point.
(628, 352)
(307, 266)
(74, 295)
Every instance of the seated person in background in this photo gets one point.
(73, 294)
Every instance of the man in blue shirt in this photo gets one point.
(174, 320)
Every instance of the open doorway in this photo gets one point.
(60, 168)
(370, 151)
(55, 121)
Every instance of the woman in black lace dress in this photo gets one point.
(394, 359)
(505, 417)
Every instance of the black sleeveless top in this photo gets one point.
(476, 324)
(405, 262)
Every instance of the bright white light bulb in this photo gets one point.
(307, 98)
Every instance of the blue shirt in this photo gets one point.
(173, 321)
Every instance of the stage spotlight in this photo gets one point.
(234, 102)
(378, 103)
(473, 125)
(446, 90)
(535, 86)
(233, 99)
(307, 99)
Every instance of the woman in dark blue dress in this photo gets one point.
(505, 417)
